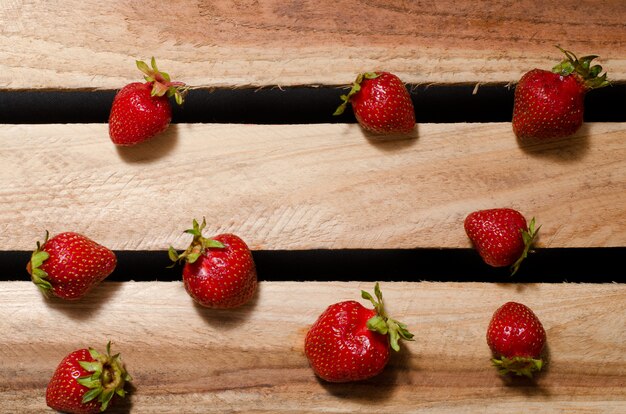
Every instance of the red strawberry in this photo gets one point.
(550, 105)
(501, 236)
(220, 272)
(381, 103)
(349, 342)
(516, 338)
(86, 382)
(69, 265)
(142, 110)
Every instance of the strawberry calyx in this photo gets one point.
(198, 245)
(529, 237)
(106, 379)
(582, 67)
(161, 82)
(520, 366)
(33, 267)
(356, 87)
(382, 323)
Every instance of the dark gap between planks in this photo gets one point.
(553, 265)
(302, 105)
(295, 105)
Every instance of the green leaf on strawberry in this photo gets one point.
(582, 67)
(198, 245)
(161, 82)
(356, 87)
(528, 236)
(520, 366)
(86, 381)
(382, 323)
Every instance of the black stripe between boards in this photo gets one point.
(294, 105)
(553, 265)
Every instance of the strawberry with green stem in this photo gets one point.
(517, 339)
(69, 265)
(550, 104)
(381, 103)
(142, 110)
(349, 342)
(219, 272)
(501, 236)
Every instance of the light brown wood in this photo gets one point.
(189, 359)
(307, 186)
(93, 44)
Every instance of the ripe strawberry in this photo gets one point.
(349, 342)
(501, 236)
(220, 272)
(69, 265)
(381, 103)
(516, 338)
(550, 105)
(142, 110)
(86, 382)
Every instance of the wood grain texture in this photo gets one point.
(93, 44)
(307, 186)
(189, 359)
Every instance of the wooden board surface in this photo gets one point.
(307, 186)
(93, 44)
(189, 359)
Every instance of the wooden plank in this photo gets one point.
(307, 186)
(188, 359)
(93, 44)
